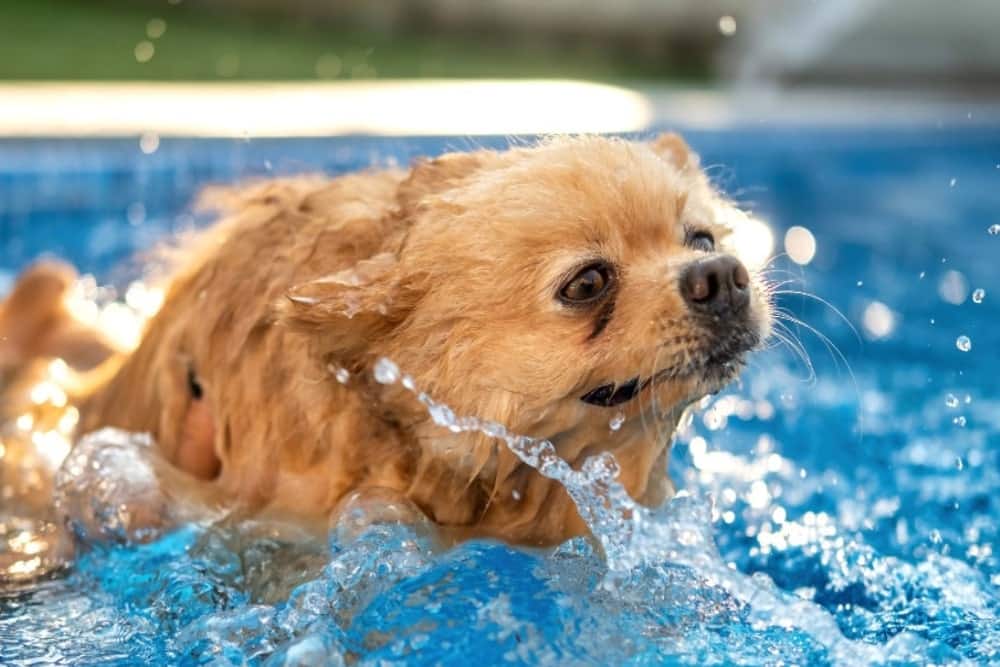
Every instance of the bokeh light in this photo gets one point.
(800, 244)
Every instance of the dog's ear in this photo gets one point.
(437, 175)
(353, 306)
(674, 150)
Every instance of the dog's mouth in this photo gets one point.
(712, 367)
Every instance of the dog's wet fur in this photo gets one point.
(550, 288)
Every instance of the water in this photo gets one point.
(848, 518)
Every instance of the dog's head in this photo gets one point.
(551, 288)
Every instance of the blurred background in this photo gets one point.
(763, 55)
(694, 41)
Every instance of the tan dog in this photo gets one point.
(550, 288)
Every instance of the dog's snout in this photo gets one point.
(719, 285)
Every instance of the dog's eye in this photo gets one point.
(587, 285)
(701, 240)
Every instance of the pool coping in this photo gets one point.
(456, 107)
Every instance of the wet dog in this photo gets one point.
(555, 289)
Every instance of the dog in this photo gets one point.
(579, 289)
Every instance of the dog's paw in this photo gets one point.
(107, 489)
(36, 322)
(30, 309)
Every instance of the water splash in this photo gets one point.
(342, 374)
(635, 539)
(31, 548)
(107, 488)
(617, 421)
(243, 592)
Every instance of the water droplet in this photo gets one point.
(329, 66)
(952, 182)
(342, 374)
(963, 343)
(994, 230)
(494, 430)
(135, 213)
(967, 399)
(228, 65)
(617, 421)
(386, 372)
(922, 274)
(978, 295)
(953, 288)
(878, 320)
(155, 28)
(951, 400)
(727, 25)
(144, 51)
(800, 244)
(861, 283)
(149, 142)
(959, 421)
(443, 416)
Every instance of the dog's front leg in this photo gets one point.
(116, 486)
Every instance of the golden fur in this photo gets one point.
(450, 269)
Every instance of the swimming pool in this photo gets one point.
(866, 484)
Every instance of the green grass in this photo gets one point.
(67, 40)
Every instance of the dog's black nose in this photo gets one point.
(717, 285)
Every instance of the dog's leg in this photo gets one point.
(116, 486)
(34, 322)
(35, 327)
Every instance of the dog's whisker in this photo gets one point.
(831, 347)
(771, 288)
(786, 337)
(767, 273)
(836, 311)
(769, 264)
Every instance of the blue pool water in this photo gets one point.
(868, 485)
